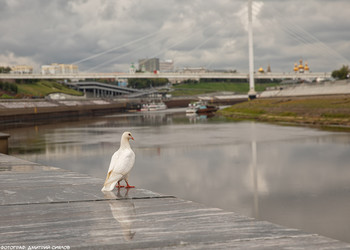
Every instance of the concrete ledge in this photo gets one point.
(4, 143)
(28, 112)
(310, 89)
(46, 206)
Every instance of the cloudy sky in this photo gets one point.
(109, 35)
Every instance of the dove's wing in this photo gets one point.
(121, 163)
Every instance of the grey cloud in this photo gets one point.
(193, 33)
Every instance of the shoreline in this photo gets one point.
(27, 112)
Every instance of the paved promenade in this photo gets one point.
(43, 207)
(310, 89)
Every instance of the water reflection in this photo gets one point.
(123, 211)
(293, 176)
(255, 180)
(195, 118)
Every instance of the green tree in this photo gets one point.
(141, 83)
(13, 88)
(341, 73)
(5, 70)
(9, 87)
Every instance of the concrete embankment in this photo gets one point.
(22, 112)
(309, 89)
(42, 206)
(18, 113)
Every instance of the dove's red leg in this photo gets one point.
(118, 185)
(127, 185)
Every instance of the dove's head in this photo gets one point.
(127, 135)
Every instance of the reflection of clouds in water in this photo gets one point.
(303, 167)
(199, 174)
(123, 211)
(299, 164)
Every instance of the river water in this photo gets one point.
(293, 176)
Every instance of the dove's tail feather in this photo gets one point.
(109, 186)
(111, 181)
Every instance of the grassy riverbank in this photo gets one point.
(320, 111)
(37, 88)
(44, 87)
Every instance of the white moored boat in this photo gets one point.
(154, 106)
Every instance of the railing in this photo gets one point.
(175, 75)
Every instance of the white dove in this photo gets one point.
(121, 163)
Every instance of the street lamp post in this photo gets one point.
(251, 93)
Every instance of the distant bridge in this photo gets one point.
(170, 76)
(97, 89)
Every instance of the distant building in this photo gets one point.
(166, 66)
(122, 82)
(306, 67)
(222, 71)
(268, 69)
(49, 69)
(59, 69)
(301, 68)
(195, 70)
(149, 65)
(132, 69)
(22, 69)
